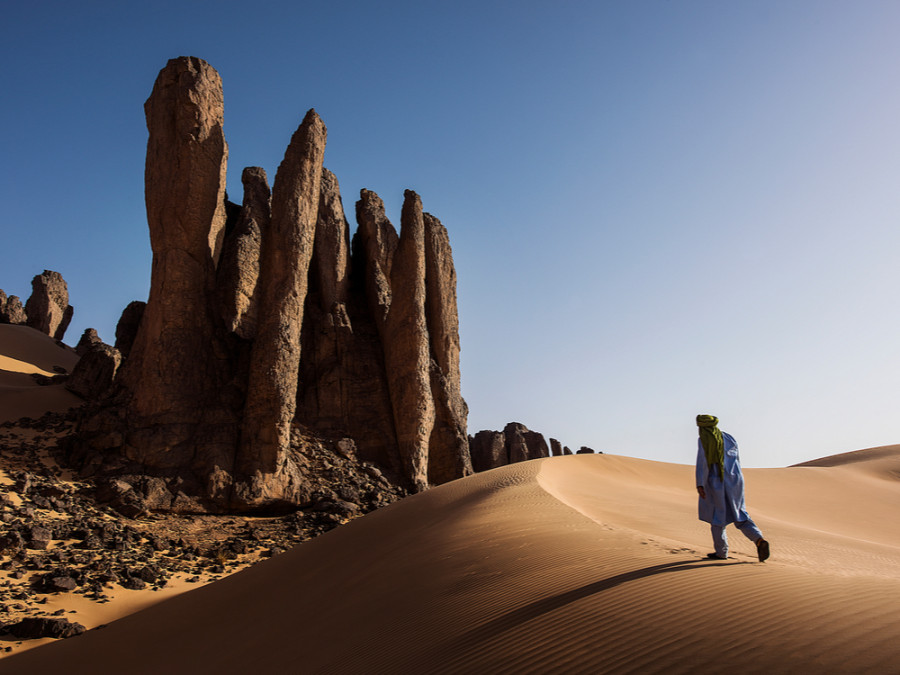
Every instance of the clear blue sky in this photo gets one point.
(657, 208)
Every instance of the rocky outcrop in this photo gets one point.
(238, 272)
(488, 450)
(343, 385)
(92, 377)
(87, 340)
(555, 448)
(15, 311)
(48, 309)
(406, 345)
(379, 241)
(11, 309)
(127, 327)
(523, 444)
(182, 410)
(267, 473)
(267, 318)
(331, 264)
(584, 450)
(516, 443)
(448, 451)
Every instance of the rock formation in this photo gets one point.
(48, 309)
(406, 346)
(448, 446)
(238, 272)
(263, 320)
(555, 448)
(14, 311)
(267, 474)
(488, 450)
(182, 404)
(92, 377)
(127, 327)
(87, 340)
(516, 443)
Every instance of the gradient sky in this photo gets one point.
(657, 208)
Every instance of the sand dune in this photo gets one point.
(23, 352)
(579, 564)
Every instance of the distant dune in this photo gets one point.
(23, 352)
(589, 563)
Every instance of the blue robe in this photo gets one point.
(724, 501)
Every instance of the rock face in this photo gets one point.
(275, 358)
(264, 319)
(488, 450)
(406, 352)
(87, 340)
(181, 408)
(127, 327)
(93, 375)
(14, 312)
(48, 309)
(556, 449)
(516, 443)
(239, 271)
(448, 447)
(11, 309)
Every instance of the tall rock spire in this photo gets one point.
(406, 346)
(262, 464)
(448, 448)
(175, 374)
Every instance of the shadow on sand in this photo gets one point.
(515, 618)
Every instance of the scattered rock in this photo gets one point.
(38, 537)
(41, 627)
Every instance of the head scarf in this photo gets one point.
(713, 443)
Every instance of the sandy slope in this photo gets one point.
(24, 351)
(574, 564)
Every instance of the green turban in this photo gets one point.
(713, 443)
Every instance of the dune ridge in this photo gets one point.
(571, 564)
(25, 351)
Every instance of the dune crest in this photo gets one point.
(25, 351)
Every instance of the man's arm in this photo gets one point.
(702, 472)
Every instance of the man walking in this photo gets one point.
(720, 485)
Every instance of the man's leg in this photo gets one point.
(752, 532)
(720, 541)
(749, 530)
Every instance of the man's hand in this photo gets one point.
(701, 491)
